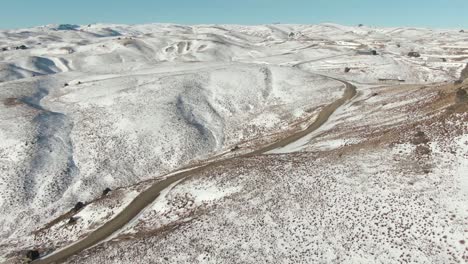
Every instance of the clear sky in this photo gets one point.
(422, 13)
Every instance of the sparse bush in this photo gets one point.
(461, 95)
(78, 206)
(419, 138)
(106, 191)
(11, 102)
(414, 54)
(235, 148)
(32, 254)
(422, 150)
(72, 221)
(22, 47)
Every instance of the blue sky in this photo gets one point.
(423, 13)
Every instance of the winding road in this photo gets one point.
(149, 195)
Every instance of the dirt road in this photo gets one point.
(149, 195)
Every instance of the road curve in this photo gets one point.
(149, 195)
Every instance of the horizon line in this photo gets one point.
(236, 24)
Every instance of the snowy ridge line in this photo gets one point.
(147, 197)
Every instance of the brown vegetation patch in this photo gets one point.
(10, 102)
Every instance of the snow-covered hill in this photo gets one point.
(85, 108)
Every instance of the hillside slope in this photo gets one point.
(85, 108)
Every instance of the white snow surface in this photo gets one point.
(111, 105)
(105, 105)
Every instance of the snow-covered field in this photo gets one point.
(384, 180)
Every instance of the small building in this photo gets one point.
(347, 69)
